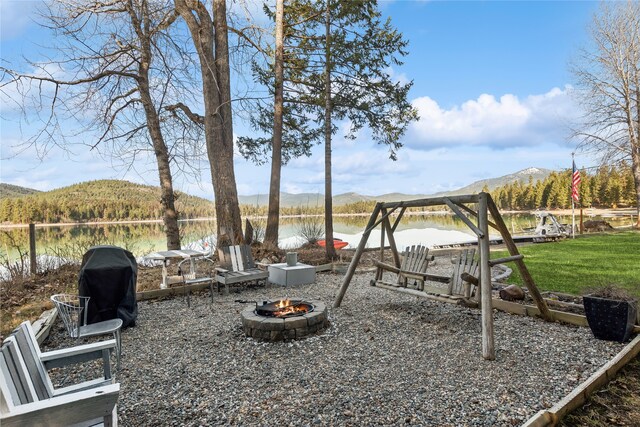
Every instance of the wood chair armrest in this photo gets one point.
(385, 266)
(77, 354)
(221, 270)
(437, 278)
(73, 408)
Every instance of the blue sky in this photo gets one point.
(491, 84)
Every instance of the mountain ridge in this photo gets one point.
(303, 199)
(292, 200)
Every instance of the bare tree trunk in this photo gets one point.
(217, 103)
(230, 223)
(170, 214)
(635, 169)
(635, 147)
(273, 218)
(328, 196)
(609, 76)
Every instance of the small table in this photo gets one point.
(181, 254)
(291, 275)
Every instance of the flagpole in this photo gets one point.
(573, 203)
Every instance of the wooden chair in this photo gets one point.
(73, 311)
(28, 397)
(237, 266)
(457, 285)
(414, 267)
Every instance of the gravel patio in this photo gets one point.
(387, 359)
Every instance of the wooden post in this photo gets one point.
(581, 221)
(382, 239)
(386, 227)
(524, 272)
(32, 249)
(488, 349)
(356, 257)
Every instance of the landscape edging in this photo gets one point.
(579, 395)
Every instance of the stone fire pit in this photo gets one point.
(293, 326)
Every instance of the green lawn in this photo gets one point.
(575, 265)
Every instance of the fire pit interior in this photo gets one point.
(284, 308)
(284, 319)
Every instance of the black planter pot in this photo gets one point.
(609, 319)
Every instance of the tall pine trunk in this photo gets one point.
(328, 194)
(273, 218)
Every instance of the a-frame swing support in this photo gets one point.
(458, 204)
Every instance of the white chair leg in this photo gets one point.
(118, 349)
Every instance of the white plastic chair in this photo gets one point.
(72, 309)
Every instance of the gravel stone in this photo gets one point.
(386, 359)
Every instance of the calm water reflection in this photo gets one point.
(142, 238)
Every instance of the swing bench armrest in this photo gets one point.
(384, 266)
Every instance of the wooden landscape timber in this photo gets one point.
(579, 395)
(457, 204)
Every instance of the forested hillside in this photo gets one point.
(113, 200)
(606, 187)
(9, 190)
(108, 200)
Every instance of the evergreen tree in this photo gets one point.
(337, 60)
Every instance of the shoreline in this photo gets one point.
(620, 212)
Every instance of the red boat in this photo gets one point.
(337, 243)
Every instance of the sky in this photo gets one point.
(491, 83)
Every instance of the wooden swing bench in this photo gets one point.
(461, 284)
(414, 267)
(465, 206)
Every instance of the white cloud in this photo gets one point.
(500, 123)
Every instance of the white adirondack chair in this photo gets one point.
(28, 397)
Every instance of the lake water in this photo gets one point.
(143, 238)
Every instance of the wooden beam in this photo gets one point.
(397, 221)
(488, 348)
(356, 257)
(505, 259)
(386, 227)
(382, 245)
(533, 311)
(463, 217)
(432, 201)
(474, 213)
(524, 272)
(393, 208)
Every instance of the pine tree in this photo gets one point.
(337, 57)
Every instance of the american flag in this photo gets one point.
(575, 183)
